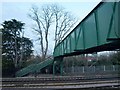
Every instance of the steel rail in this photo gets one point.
(61, 81)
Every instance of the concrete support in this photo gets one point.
(104, 68)
(113, 67)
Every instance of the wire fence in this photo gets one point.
(103, 69)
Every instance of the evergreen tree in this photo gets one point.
(16, 49)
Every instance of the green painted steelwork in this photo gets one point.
(34, 68)
(43, 64)
(58, 66)
(99, 31)
(61, 67)
(26, 70)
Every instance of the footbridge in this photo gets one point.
(34, 68)
(98, 31)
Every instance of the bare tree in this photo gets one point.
(43, 21)
(64, 21)
(51, 15)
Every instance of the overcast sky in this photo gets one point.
(19, 9)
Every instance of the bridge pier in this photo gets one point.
(58, 66)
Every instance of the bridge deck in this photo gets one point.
(98, 31)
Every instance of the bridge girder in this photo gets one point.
(98, 31)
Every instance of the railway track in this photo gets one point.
(58, 82)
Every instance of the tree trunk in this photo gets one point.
(16, 55)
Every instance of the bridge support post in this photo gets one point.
(54, 68)
(58, 66)
(61, 67)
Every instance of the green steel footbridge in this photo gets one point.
(98, 31)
